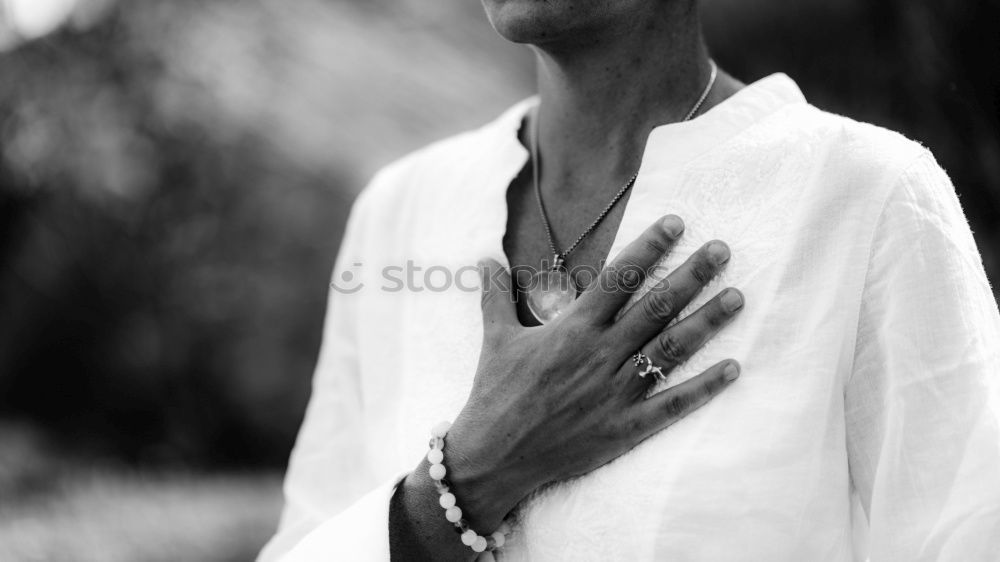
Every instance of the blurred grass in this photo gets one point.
(56, 508)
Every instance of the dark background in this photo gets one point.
(174, 180)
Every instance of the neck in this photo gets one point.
(601, 97)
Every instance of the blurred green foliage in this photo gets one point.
(174, 181)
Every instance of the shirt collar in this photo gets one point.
(668, 147)
(675, 144)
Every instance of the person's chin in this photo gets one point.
(532, 21)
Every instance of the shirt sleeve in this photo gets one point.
(922, 401)
(332, 500)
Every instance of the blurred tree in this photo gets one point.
(173, 184)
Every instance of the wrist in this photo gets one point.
(486, 490)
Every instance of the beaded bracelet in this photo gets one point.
(470, 538)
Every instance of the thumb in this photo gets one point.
(497, 296)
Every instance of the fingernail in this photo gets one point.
(732, 300)
(731, 372)
(673, 226)
(719, 252)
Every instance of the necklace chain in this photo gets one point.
(558, 256)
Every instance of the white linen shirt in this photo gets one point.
(865, 420)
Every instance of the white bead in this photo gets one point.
(437, 471)
(447, 500)
(486, 557)
(469, 537)
(479, 545)
(453, 514)
(499, 538)
(435, 456)
(441, 429)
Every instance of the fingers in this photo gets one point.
(677, 343)
(664, 301)
(497, 297)
(663, 409)
(617, 281)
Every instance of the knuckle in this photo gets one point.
(713, 386)
(677, 404)
(598, 357)
(655, 244)
(632, 426)
(627, 275)
(624, 427)
(702, 271)
(575, 330)
(672, 348)
(659, 306)
(575, 336)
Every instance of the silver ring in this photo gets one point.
(639, 358)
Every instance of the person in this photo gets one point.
(848, 297)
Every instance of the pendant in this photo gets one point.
(550, 293)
